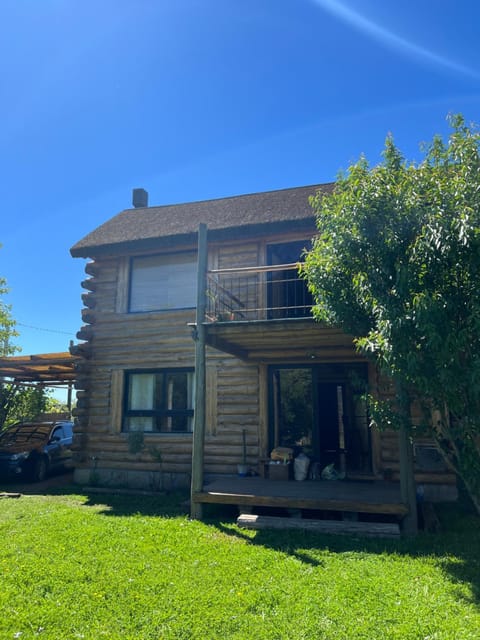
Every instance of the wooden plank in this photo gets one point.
(223, 345)
(253, 336)
(343, 527)
(263, 410)
(435, 478)
(356, 506)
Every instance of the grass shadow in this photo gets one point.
(456, 549)
(115, 501)
(163, 505)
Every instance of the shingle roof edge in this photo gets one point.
(182, 220)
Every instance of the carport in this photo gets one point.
(52, 370)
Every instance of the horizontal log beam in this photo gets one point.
(342, 527)
(355, 506)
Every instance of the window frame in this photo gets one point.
(165, 259)
(162, 412)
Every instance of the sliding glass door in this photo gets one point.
(319, 409)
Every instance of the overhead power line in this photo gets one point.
(30, 326)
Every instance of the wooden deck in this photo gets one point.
(319, 495)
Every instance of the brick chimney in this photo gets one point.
(139, 198)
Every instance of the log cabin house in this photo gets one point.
(215, 285)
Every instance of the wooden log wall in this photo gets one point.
(115, 341)
(386, 451)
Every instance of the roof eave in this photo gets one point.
(128, 247)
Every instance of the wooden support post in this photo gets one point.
(69, 398)
(70, 387)
(200, 376)
(407, 478)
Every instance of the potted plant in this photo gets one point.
(225, 316)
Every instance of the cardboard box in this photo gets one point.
(279, 471)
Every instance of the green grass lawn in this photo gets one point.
(102, 566)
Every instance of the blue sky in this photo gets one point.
(199, 99)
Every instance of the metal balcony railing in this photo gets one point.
(257, 293)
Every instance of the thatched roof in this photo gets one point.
(141, 228)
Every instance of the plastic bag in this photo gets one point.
(330, 473)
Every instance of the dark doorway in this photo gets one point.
(320, 410)
(287, 293)
(331, 446)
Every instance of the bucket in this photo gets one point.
(300, 467)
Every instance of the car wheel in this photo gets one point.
(40, 470)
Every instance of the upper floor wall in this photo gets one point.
(248, 279)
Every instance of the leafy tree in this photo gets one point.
(7, 323)
(53, 405)
(19, 403)
(396, 263)
(16, 403)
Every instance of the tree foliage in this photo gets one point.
(16, 403)
(7, 323)
(396, 263)
(21, 403)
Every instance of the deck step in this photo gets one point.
(346, 527)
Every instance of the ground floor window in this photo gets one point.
(159, 401)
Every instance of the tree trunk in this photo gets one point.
(407, 478)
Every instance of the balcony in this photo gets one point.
(264, 314)
(257, 293)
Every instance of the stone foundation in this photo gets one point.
(129, 479)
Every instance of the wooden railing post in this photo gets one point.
(200, 375)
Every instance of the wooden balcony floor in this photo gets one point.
(320, 495)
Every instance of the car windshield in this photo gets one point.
(26, 433)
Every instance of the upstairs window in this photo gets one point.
(163, 282)
(159, 401)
